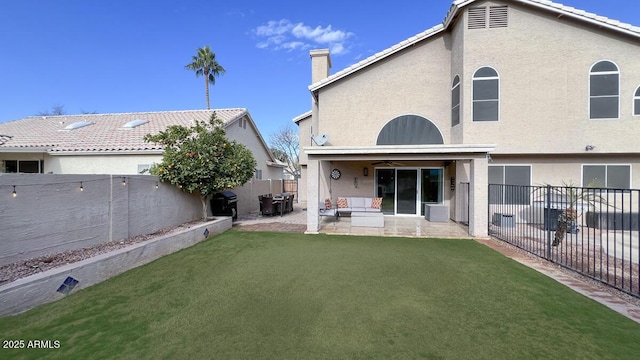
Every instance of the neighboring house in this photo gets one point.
(113, 143)
(522, 92)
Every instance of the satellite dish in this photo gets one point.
(320, 139)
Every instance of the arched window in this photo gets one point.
(409, 130)
(604, 91)
(486, 95)
(455, 101)
(636, 102)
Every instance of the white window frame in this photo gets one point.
(636, 96)
(503, 175)
(40, 165)
(600, 96)
(456, 87)
(473, 80)
(606, 173)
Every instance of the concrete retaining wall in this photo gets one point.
(27, 293)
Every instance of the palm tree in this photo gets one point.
(573, 197)
(204, 63)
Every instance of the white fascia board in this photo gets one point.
(106, 152)
(399, 149)
(14, 150)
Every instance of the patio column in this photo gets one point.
(313, 196)
(479, 197)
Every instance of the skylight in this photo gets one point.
(77, 125)
(134, 123)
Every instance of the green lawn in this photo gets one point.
(259, 295)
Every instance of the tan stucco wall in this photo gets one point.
(98, 164)
(556, 170)
(456, 39)
(304, 127)
(248, 136)
(544, 64)
(418, 82)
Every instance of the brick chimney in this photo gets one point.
(320, 64)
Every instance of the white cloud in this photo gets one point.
(285, 35)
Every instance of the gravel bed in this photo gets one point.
(514, 251)
(14, 271)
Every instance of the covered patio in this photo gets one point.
(410, 169)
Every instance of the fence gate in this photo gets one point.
(291, 186)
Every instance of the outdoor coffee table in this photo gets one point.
(367, 219)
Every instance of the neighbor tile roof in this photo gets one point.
(558, 8)
(105, 134)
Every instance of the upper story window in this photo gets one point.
(604, 91)
(636, 102)
(486, 95)
(455, 101)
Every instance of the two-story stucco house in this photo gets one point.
(113, 143)
(522, 92)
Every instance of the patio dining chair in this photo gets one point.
(266, 206)
(291, 202)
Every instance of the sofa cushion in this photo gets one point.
(367, 202)
(356, 202)
(342, 203)
(376, 203)
(358, 209)
(371, 210)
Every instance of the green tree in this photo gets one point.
(204, 63)
(200, 158)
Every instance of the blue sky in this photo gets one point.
(128, 56)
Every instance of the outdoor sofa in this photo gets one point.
(351, 204)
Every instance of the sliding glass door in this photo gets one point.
(386, 189)
(405, 191)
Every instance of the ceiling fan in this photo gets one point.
(387, 163)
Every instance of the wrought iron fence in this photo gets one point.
(593, 231)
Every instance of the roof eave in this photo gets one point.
(399, 149)
(30, 149)
(105, 152)
(301, 117)
(377, 57)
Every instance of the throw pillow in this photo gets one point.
(342, 203)
(327, 204)
(376, 203)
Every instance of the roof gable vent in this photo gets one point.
(477, 18)
(498, 16)
(134, 123)
(77, 125)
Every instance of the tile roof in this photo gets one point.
(105, 134)
(454, 10)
